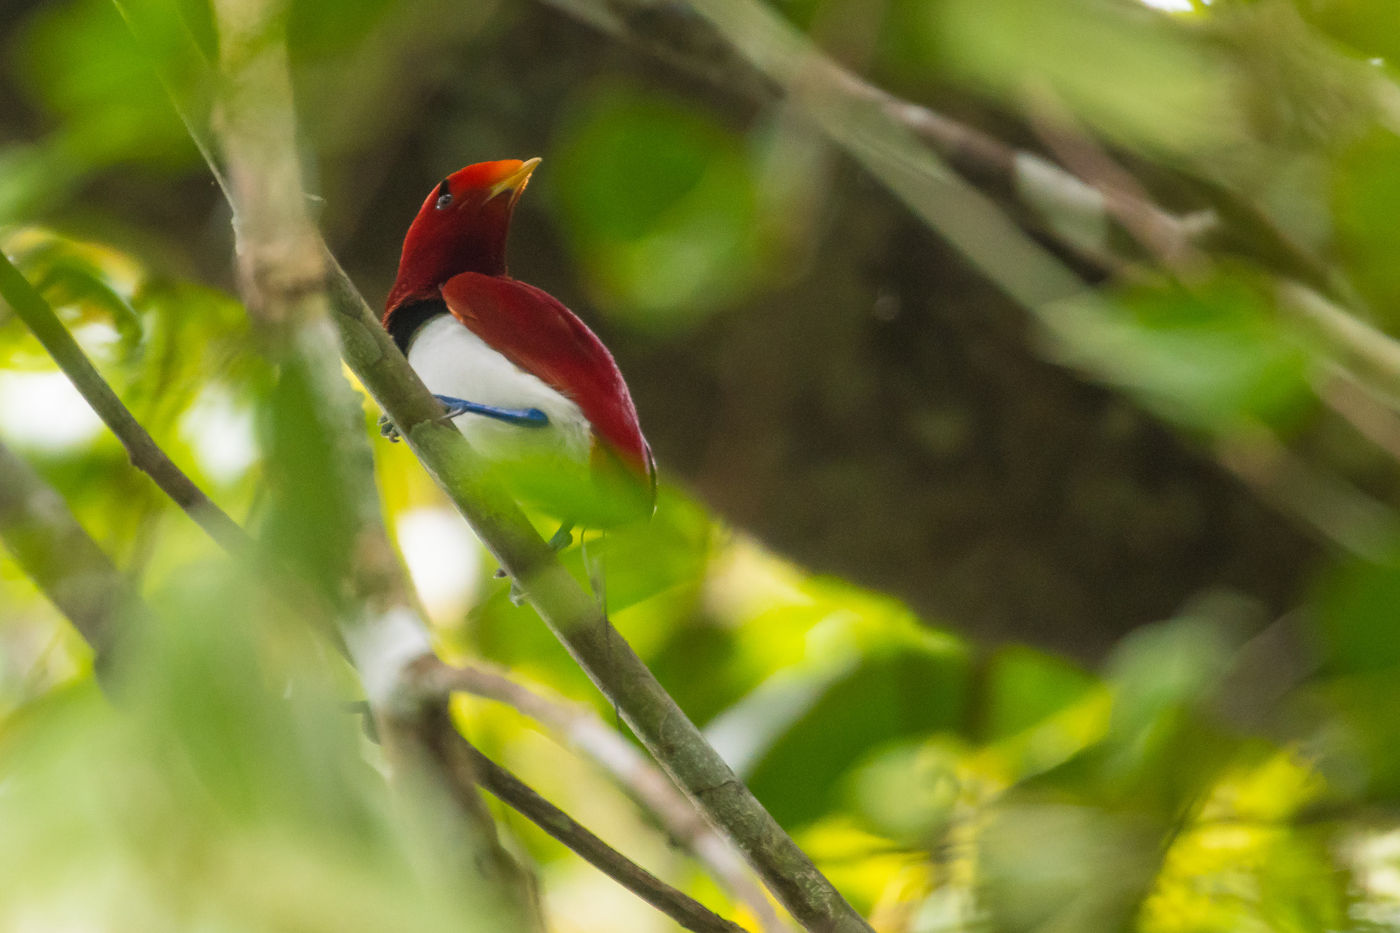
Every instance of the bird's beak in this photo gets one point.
(515, 182)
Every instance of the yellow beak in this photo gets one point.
(514, 182)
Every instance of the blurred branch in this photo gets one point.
(146, 455)
(1363, 411)
(896, 142)
(643, 781)
(1342, 514)
(1168, 239)
(677, 905)
(747, 48)
(283, 273)
(55, 551)
(694, 37)
(1371, 353)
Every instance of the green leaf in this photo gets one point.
(1366, 201)
(1356, 612)
(1128, 72)
(83, 278)
(872, 675)
(909, 791)
(659, 203)
(1216, 358)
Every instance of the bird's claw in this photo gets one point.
(387, 429)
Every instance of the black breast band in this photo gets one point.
(406, 320)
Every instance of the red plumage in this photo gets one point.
(454, 252)
(532, 329)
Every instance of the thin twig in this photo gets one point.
(1166, 237)
(146, 455)
(677, 905)
(1370, 416)
(582, 729)
(1375, 355)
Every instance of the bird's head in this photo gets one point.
(461, 227)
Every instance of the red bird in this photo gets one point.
(528, 384)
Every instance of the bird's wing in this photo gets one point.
(537, 333)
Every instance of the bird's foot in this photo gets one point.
(387, 429)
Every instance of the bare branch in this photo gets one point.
(619, 758)
(677, 905)
(1339, 512)
(146, 455)
(746, 48)
(1371, 353)
(1370, 416)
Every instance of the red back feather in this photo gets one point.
(533, 330)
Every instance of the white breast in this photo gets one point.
(451, 360)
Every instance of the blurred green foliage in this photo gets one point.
(220, 785)
(1215, 357)
(660, 202)
(944, 784)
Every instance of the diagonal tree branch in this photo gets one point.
(55, 551)
(623, 761)
(579, 622)
(680, 907)
(146, 455)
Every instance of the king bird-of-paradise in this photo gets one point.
(530, 386)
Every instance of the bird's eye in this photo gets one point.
(444, 195)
